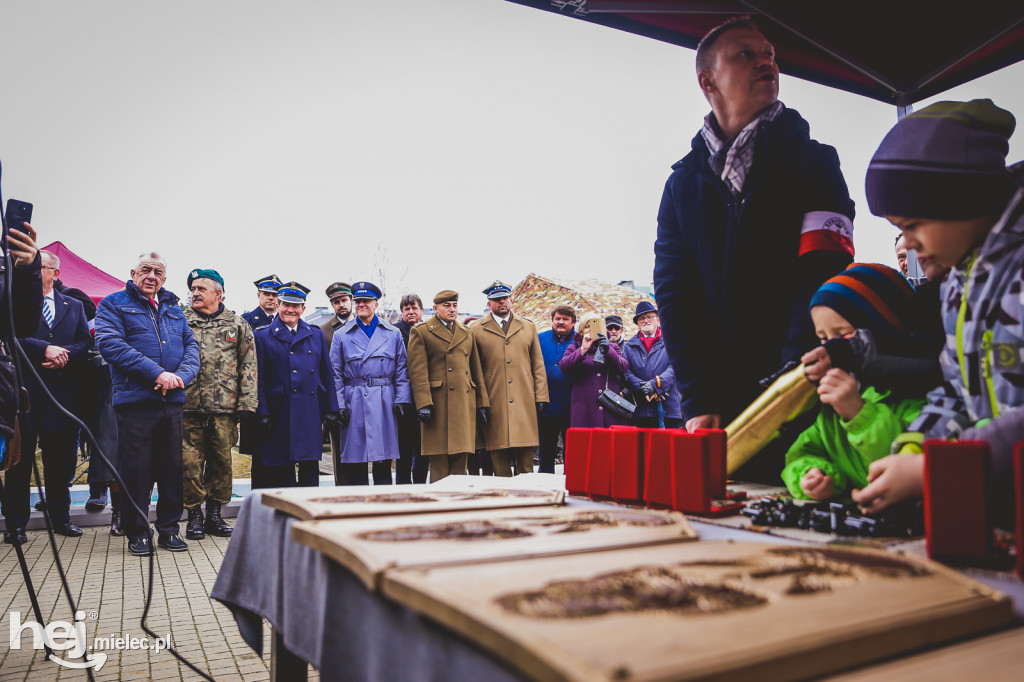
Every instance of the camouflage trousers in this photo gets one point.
(206, 457)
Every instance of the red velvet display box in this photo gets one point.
(627, 464)
(1018, 478)
(577, 459)
(658, 467)
(958, 529)
(599, 468)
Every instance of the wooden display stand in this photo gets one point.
(369, 546)
(958, 528)
(995, 657)
(355, 501)
(574, 617)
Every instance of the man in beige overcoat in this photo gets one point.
(447, 387)
(517, 385)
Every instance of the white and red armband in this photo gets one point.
(826, 231)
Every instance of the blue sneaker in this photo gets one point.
(140, 547)
(97, 500)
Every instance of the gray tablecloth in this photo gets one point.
(328, 617)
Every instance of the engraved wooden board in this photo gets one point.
(521, 481)
(735, 610)
(995, 657)
(368, 546)
(354, 501)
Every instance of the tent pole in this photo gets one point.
(913, 267)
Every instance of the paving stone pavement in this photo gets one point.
(108, 585)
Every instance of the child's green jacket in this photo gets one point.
(845, 449)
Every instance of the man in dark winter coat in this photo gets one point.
(412, 465)
(57, 348)
(27, 298)
(141, 331)
(751, 222)
(650, 376)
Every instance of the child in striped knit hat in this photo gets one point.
(940, 176)
(857, 424)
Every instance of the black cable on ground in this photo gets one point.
(24, 572)
(17, 359)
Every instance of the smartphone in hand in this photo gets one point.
(17, 213)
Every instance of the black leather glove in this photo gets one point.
(245, 417)
(485, 414)
(648, 388)
(332, 419)
(400, 410)
(264, 427)
(344, 417)
(602, 346)
(425, 414)
(540, 408)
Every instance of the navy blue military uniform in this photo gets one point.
(258, 318)
(247, 439)
(296, 390)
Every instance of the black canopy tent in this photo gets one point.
(895, 51)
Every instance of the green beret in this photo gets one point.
(445, 296)
(200, 273)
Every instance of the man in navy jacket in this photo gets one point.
(751, 222)
(141, 331)
(57, 349)
(555, 419)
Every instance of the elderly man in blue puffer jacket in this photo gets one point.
(142, 332)
(650, 376)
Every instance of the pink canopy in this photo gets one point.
(78, 273)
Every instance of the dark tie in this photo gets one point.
(504, 326)
(294, 331)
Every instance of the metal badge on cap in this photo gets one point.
(292, 292)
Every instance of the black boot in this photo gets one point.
(215, 525)
(115, 513)
(194, 528)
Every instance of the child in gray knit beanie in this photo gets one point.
(940, 175)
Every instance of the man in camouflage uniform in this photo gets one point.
(224, 391)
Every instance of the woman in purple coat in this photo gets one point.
(589, 378)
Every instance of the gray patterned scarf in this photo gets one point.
(732, 160)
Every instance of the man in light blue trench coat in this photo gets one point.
(371, 377)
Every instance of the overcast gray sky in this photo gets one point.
(472, 140)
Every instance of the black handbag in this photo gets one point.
(615, 403)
